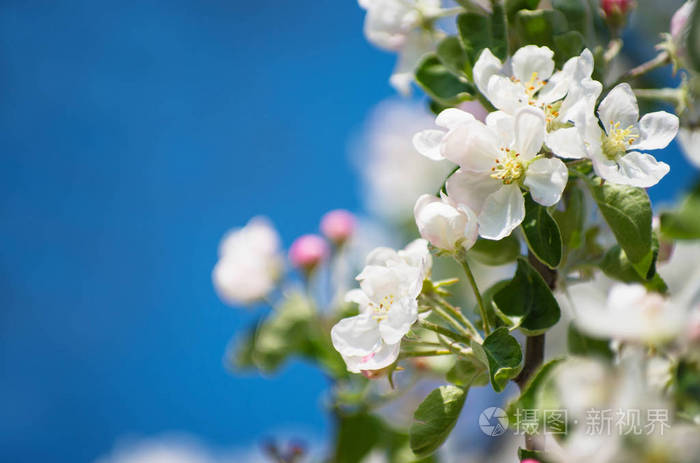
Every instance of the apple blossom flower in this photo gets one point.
(613, 149)
(495, 160)
(249, 263)
(389, 287)
(307, 251)
(447, 225)
(338, 225)
(429, 142)
(398, 25)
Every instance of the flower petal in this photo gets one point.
(505, 94)
(417, 44)
(503, 124)
(529, 132)
(486, 66)
(530, 60)
(503, 211)
(657, 130)
(566, 143)
(427, 143)
(546, 179)
(402, 314)
(690, 142)
(382, 357)
(641, 169)
(471, 188)
(358, 335)
(473, 146)
(452, 117)
(619, 105)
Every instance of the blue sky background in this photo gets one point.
(133, 135)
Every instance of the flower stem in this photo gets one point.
(460, 316)
(470, 276)
(443, 331)
(660, 60)
(669, 95)
(426, 353)
(451, 320)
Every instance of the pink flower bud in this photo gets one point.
(529, 460)
(679, 21)
(307, 252)
(616, 7)
(338, 225)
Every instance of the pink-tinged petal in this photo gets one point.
(657, 130)
(546, 179)
(503, 211)
(382, 357)
(427, 143)
(471, 189)
(472, 146)
(619, 105)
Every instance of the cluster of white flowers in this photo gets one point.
(250, 263)
(389, 287)
(541, 115)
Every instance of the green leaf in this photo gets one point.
(468, 371)
(582, 344)
(453, 56)
(627, 210)
(527, 298)
(499, 252)
(502, 354)
(616, 265)
(567, 46)
(539, 27)
(683, 224)
(571, 219)
(357, 435)
(434, 419)
(440, 84)
(542, 233)
(475, 33)
(513, 6)
(575, 12)
(499, 27)
(530, 395)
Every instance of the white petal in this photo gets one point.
(641, 169)
(418, 43)
(427, 143)
(452, 117)
(532, 59)
(382, 357)
(473, 146)
(439, 222)
(471, 189)
(381, 256)
(546, 179)
(358, 335)
(566, 143)
(690, 142)
(503, 124)
(529, 132)
(379, 282)
(486, 66)
(471, 228)
(657, 130)
(505, 94)
(358, 297)
(400, 317)
(503, 211)
(620, 105)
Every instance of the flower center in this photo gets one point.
(380, 311)
(508, 167)
(617, 140)
(531, 87)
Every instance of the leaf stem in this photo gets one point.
(458, 313)
(443, 331)
(462, 258)
(660, 60)
(669, 95)
(426, 353)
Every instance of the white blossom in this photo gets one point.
(446, 224)
(614, 148)
(389, 287)
(495, 160)
(397, 25)
(250, 263)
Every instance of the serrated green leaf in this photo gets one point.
(539, 27)
(627, 210)
(499, 252)
(475, 33)
(513, 6)
(499, 29)
(468, 371)
(453, 56)
(434, 419)
(582, 344)
(502, 354)
(528, 299)
(542, 233)
(440, 84)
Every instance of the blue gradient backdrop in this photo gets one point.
(133, 134)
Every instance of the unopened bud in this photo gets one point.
(616, 11)
(338, 226)
(307, 252)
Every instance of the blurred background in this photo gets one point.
(134, 134)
